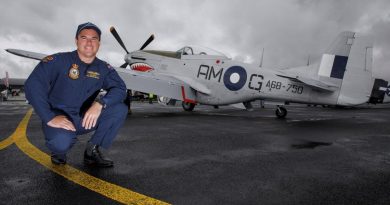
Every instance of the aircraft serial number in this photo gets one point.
(271, 84)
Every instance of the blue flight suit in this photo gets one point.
(62, 84)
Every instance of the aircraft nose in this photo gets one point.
(135, 56)
(128, 58)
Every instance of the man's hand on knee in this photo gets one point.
(60, 121)
(92, 115)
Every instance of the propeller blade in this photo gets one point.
(124, 65)
(116, 35)
(150, 39)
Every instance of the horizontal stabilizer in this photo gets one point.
(316, 84)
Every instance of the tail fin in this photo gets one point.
(349, 59)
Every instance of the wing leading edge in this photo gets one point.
(160, 85)
(27, 54)
(175, 87)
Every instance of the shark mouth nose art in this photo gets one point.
(142, 67)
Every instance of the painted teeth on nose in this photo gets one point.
(142, 67)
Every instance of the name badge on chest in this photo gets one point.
(93, 74)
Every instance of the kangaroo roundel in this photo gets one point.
(235, 78)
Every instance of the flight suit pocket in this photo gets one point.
(92, 85)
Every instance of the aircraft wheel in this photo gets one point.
(188, 106)
(281, 112)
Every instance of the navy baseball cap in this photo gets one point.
(88, 25)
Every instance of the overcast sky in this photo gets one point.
(289, 30)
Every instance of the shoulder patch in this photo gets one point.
(47, 59)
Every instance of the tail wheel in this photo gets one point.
(281, 112)
(188, 106)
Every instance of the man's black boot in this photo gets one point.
(95, 157)
(58, 159)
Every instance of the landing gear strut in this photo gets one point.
(281, 112)
(188, 106)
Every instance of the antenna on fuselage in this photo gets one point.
(261, 59)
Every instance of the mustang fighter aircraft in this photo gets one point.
(343, 76)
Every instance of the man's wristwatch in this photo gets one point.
(101, 101)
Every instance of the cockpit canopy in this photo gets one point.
(200, 50)
(190, 52)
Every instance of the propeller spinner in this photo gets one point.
(118, 38)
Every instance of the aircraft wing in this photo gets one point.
(314, 83)
(175, 87)
(27, 54)
(195, 85)
(166, 86)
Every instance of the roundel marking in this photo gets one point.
(235, 78)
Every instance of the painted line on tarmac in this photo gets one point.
(102, 187)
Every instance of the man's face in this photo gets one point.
(88, 43)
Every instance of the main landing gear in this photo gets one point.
(281, 112)
(188, 106)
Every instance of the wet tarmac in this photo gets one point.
(217, 156)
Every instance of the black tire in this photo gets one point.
(188, 106)
(281, 112)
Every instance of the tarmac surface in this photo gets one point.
(215, 156)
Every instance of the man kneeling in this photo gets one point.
(63, 90)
